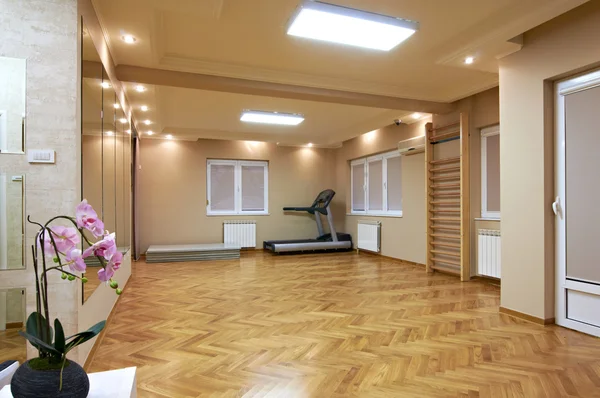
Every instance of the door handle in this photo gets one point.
(556, 208)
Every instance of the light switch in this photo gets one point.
(40, 156)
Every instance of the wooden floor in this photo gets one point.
(12, 346)
(334, 325)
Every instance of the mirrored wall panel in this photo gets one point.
(12, 221)
(106, 155)
(12, 318)
(12, 105)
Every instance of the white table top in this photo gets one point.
(120, 383)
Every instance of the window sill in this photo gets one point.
(375, 215)
(487, 219)
(236, 214)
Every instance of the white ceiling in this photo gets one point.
(247, 39)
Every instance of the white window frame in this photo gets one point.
(237, 164)
(365, 162)
(485, 133)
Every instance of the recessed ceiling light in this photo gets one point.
(117, 106)
(416, 115)
(123, 120)
(144, 108)
(105, 84)
(286, 119)
(147, 122)
(109, 133)
(128, 131)
(469, 60)
(310, 145)
(150, 132)
(328, 22)
(169, 137)
(129, 39)
(140, 89)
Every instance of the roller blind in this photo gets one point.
(493, 173)
(358, 184)
(375, 181)
(253, 188)
(394, 183)
(222, 188)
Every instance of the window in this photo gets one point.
(490, 172)
(237, 187)
(377, 185)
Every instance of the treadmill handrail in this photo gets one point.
(310, 210)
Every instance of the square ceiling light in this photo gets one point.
(286, 119)
(328, 22)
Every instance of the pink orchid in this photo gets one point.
(75, 260)
(87, 218)
(65, 239)
(115, 258)
(101, 247)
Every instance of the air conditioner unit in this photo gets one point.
(412, 146)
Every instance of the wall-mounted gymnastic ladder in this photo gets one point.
(448, 198)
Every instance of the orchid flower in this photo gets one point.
(101, 247)
(87, 218)
(114, 257)
(75, 260)
(65, 239)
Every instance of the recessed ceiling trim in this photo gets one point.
(161, 77)
(178, 62)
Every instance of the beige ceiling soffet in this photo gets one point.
(244, 41)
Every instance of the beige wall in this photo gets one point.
(173, 189)
(401, 237)
(45, 33)
(561, 47)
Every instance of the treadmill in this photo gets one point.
(324, 242)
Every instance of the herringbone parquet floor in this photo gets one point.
(339, 325)
(12, 346)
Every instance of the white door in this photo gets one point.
(577, 204)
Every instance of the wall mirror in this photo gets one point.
(12, 317)
(12, 222)
(106, 155)
(12, 105)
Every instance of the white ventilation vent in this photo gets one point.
(412, 146)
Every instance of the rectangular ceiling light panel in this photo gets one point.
(328, 22)
(286, 119)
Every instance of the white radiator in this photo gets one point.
(488, 253)
(242, 233)
(369, 235)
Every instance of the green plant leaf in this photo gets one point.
(43, 332)
(39, 344)
(82, 337)
(59, 340)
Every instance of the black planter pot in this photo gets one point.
(31, 383)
